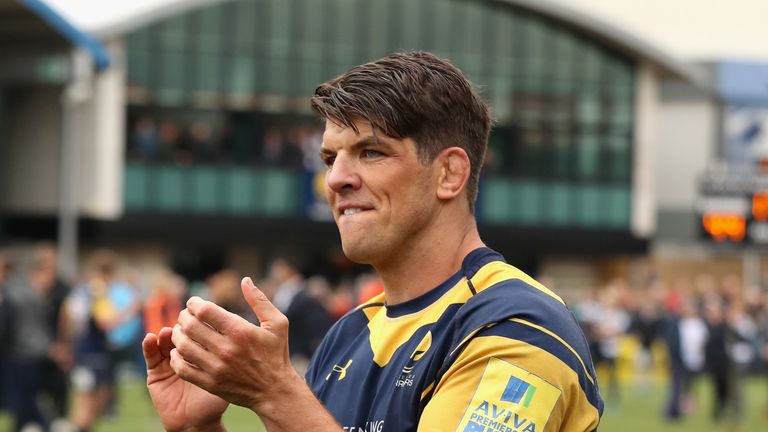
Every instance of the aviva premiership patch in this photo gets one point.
(509, 399)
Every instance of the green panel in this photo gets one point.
(242, 75)
(170, 88)
(173, 33)
(413, 21)
(378, 28)
(619, 208)
(239, 193)
(245, 36)
(588, 206)
(557, 209)
(530, 202)
(139, 69)
(280, 27)
(209, 29)
(136, 187)
(205, 189)
(588, 155)
(280, 193)
(311, 45)
(278, 81)
(343, 38)
(169, 191)
(208, 72)
(497, 207)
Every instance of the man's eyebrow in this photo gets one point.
(366, 141)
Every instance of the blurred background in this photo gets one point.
(159, 149)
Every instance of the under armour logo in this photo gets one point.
(342, 371)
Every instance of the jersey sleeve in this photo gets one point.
(512, 376)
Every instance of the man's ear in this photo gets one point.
(454, 172)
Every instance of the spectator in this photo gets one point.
(105, 317)
(164, 302)
(309, 319)
(224, 290)
(36, 357)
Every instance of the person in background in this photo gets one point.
(164, 302)
(5, 321)
(37, 356)
(224, 290)
(308, 317)
(720, 365)
(693, 338)
(106, 323)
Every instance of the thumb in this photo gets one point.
(270, 317)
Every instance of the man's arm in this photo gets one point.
(245, 364)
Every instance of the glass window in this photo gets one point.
(208, 29)
(208, 73)
(245, 26)
(378, 28)
(242, 75)
(442, 19)
(313, 35)
(171, 84)
(588, 209)
(173, 33)
(588, 155)
(557, 198)
(280, 27)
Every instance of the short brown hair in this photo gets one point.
(412, 95)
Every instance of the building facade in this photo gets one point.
(221, 147)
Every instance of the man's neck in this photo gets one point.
(427, 264)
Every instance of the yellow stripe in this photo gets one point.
(427, 390)
(388, 334)
(498, 271)
(540, 328)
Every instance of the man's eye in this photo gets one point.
(372, 153)
(329, 160)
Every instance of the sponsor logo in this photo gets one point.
(509, 399)
(406, 376)
(489, 417)
(342, 371)
(370, 426)
(518, 390)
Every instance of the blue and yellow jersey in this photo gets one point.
(489, 350)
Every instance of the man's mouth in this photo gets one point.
(351, 211)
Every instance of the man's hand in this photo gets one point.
(242, 363)
(181, 405)
(223, 353)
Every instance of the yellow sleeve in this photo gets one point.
(498, 384)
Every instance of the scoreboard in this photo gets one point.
(733, 206)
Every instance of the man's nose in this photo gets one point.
(343, 174)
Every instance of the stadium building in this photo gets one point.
(197, 145)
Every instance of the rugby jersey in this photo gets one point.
(488, 350)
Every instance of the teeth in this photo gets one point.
(351, 211)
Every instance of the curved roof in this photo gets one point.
(584, 23)
(612, 36)
(32, 25)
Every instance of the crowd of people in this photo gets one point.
(62, 344)
(293, 145)
(711, 329)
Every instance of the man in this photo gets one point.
(459, 340)
(309, 319)
(37, 351)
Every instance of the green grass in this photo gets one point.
(639, 410)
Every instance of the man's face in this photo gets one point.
(381, 195)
